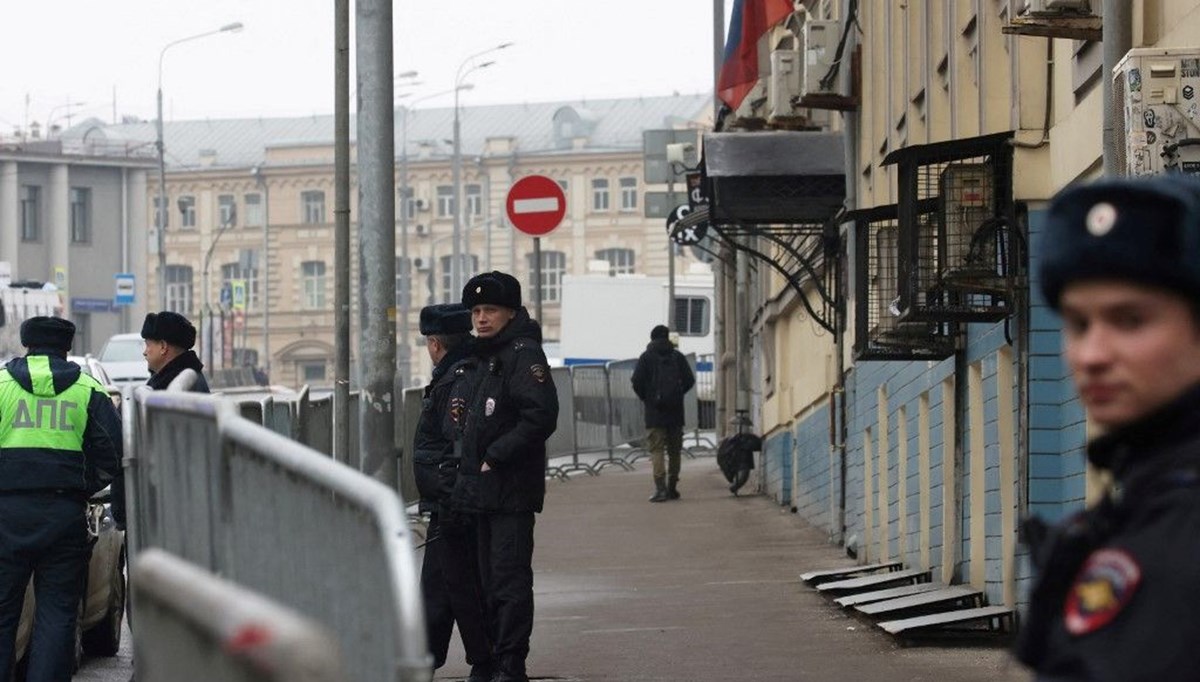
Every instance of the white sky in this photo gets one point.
(281, 63)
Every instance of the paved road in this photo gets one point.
(116, 669)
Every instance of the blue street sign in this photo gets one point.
(226, 295)
(125, 289)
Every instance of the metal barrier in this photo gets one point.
(628, 412)
(593, 414)
(562, 442)
(406, 430)
(193, 626)
(279, 518)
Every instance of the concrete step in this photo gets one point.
(995, 618)
(889, 593)
(943, 596)
(813, 577)
(893, 578)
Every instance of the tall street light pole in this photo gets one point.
(162, 211)
(403, 352)
(456, 278)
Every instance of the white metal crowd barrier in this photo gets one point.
(195, 627)
(282, 519)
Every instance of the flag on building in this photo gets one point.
(750, 20)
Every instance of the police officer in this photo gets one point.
(450, 583)
(504, 407)
(60, 442)
(1118, 585)
(169, 339)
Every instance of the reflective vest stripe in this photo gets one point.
(40, 374)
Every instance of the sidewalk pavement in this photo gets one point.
(704, 588)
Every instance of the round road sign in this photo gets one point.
(536, 205)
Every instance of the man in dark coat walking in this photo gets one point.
(169, 339)
(660, 380)
(503, 410)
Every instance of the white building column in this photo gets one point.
(10, 213)
(138, 222)
(58, 223)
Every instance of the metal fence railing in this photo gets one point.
(281, 519)
(195, 627)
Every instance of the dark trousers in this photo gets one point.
(506, 566)
(452, 591)
(42, 535)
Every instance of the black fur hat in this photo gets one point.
(1145, 231)
(660, 332)
(49, 333)
(492, 288)
(170, 327)
(445, 318)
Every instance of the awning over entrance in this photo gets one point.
(771, 177)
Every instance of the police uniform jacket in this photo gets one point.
(502, 409)
(433, 447)
(647, 377)
(1118, 586)
(58, 429)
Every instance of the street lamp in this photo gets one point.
(162, 211)
(67, 106)
(456, 279)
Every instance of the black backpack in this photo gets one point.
(668, 382)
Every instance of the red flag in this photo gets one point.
(750, 20)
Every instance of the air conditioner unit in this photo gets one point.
(820, 48)
(422, 204)
(421, 229)
(967, 201)
(1157, 94)
(786, 81)
(1057, 6)
(420, 264)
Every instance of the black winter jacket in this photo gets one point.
(433, 448)
(503, 408)
(647, 377)
(39, 468)
(1117, 585)
(161, 379)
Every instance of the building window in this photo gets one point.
(31, 213)
(81, 215)
(691, 315)
(311, 371)
(554, 266)
(313, 201)
(178, 279)
(629, 194)
(159, 214)
(403, 282)
(620, 261)
(227, 210)
(445, 196)
(600, 194)
(255, 217)
(241, 270)
(187, 211)
(564, 185)
(470, 265)
(474, 200)
(407, 203)
(312, 275)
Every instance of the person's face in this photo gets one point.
(489, 320)
(157, 354)
(435, 349)
(1131, 348)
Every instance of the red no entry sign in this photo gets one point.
(536, 205)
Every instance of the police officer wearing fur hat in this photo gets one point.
(503, 409)
(60, 443)
(450, 583)
(1117, 586)
(169, 339)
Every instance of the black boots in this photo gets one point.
(481, 672)
(660, 490)
(672, 493)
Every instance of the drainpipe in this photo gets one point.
(1118, 39)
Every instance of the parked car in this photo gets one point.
(123, 361)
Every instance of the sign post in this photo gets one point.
(536, 205)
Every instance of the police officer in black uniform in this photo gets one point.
(60, 442)
(504, 408)
(450, 583)
(169, 338)
(1118, 585)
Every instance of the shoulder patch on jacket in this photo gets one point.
(1105, 584)
(539, 372)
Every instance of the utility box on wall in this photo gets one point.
(1157, 95)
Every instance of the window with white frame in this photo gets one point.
(474, 200)
(470, 266)
(600, 194)
(554, 266)
(226, 210)
(445, 198)
(31, 213)
(159, 214)
(403, 282)
(255, 215)
(408, 206)
(232, 271)
(620, 261)
(312, 278)
(178, 279)
(629, 194)
(312, 203)
(692, 315)
(81, 215)
(187, 211)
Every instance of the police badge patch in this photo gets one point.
(456, 410)
(538, 372)
(1103, 587)
(489, 406)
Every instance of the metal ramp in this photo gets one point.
(889, 593)
(814, 577)
(955, 596)
(892, 578)
(985, 620)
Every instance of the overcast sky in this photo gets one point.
(96, 52)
